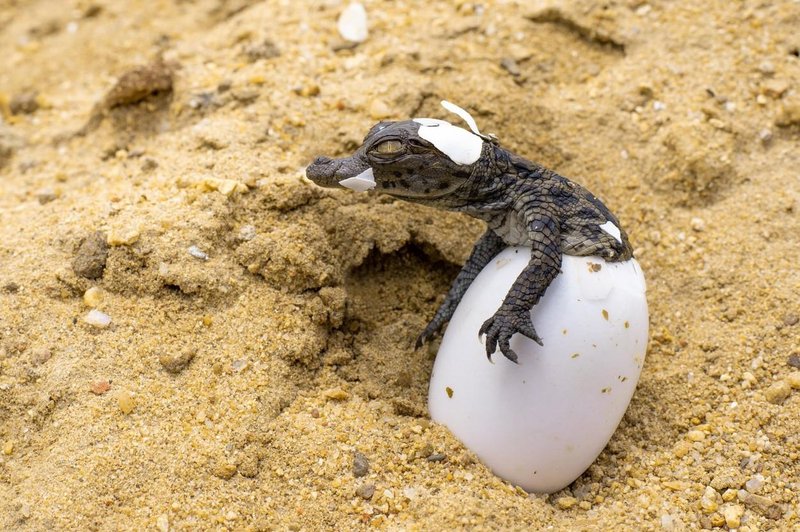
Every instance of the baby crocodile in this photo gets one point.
(432, 162)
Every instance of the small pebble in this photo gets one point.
(366, 491)
(98, 319)
(93, 297)
(717, 123)
(24, 103)
(198, 253)
(378, 110)
(224, 470)
(778, 392)
(239, 365)
(90, 259)
(717, 520)
(162, 523)
(352, 23)
(762, 505)
(11, 288)
(40, 355)
(337, 394)
(8, 448)
(565, 503)
(245, 95)
(794, 360)
(308, 91)
(122, 236)
(126, 401)
(149, 164)
(696, 435)
(510, 66)
(46, 196)
(754, 484)
(775, 88)
(360, 465)
(226, 187)
(100, 387)
(733, 515)
(708, 502)
(794, 380)
(264, 50)
(247, 232)
(791, 319)
(436, 457)
(249, 465)
(698, 224)
(789, 115)
(766, 68)
(175, 362)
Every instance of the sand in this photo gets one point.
(261, 329)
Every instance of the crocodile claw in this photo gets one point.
(502, 326)
(431, 330)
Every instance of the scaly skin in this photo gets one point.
(521, 202)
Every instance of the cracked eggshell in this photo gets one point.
(542, 423)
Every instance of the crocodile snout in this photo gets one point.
(328, 172)
(322, 171)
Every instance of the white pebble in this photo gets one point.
(754, 484)
(162, 523)
(198, 253)
(239, 365)
(698, 224)
(247, 232)
(95, 318)
(352, 24)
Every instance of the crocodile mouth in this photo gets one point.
(348, 173)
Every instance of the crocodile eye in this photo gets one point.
(389, 147)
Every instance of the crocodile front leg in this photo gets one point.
(487, 247)
(514, 315)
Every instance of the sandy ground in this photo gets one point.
(233, 391)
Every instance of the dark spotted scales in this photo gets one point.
(521, 202)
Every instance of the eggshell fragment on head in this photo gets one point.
(612, 230)
(460, 145)
(453, 108)
(541, 423)
(360, 183)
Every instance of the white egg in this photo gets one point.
(541, 423)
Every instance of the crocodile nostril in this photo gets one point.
(322, 160)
